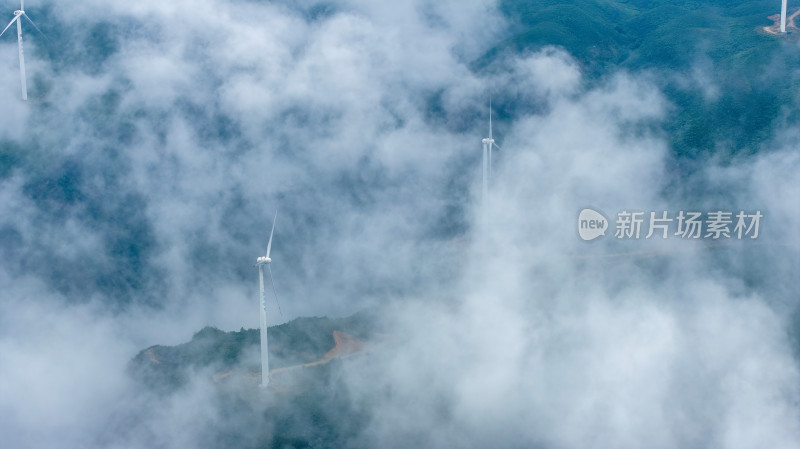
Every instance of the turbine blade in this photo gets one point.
(22, 5)
(497, 146)
(34, 25)
(269, 245)
(9, 25)
(272, 281)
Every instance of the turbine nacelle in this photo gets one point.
(19, 12)
(263, 260)
(488, 146)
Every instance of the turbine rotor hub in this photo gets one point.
(19, 12)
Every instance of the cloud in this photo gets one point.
(164, 135)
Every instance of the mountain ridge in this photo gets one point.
(301, 342)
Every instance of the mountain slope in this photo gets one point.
(298, 342)
(729, 80)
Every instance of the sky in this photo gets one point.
(160, 139)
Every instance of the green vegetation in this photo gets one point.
(8, 158)
(302, 340)
(315, 411)
(721, 40)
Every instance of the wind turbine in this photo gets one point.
(488, 145)
(783, 16)
(261, 261)
(17, 15)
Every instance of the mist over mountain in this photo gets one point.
(139, 182)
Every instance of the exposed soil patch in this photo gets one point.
(775, 28)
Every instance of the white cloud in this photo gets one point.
(363, 127)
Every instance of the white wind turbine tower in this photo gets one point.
(17, 18)
(261, 261)
(488, 146)
(783, 16)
